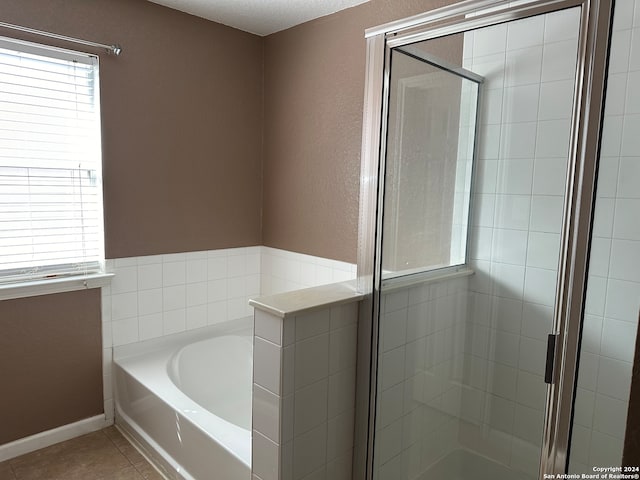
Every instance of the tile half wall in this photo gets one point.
(160, 295)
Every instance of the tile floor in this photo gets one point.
(101, 455)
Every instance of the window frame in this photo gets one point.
(65, 276)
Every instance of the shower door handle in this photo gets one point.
(551, 356)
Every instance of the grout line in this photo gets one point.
(13, 472)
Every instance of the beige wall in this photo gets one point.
(50, 362)
(182, 140)
(314, 89)
(181, 121)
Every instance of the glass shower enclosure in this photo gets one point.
(482, 128)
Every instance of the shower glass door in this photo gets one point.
(476, 153)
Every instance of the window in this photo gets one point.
(429, 163)
(51, 221)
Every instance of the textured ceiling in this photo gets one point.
(261, 17)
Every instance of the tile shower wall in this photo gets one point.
(304, 394)
(420, 393)
(515, 236)
(613, 292)
(160, 295)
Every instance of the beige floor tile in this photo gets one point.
(126, 448)
(102, 455)
(132, 454)
(91, 456)
(129, 473)
(115, 436)
(6, 473)
(148, 471)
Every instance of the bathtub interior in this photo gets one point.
(216, 373)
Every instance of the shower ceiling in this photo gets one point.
(261, 17)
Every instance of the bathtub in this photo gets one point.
(186, 401)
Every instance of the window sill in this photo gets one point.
(57, 285)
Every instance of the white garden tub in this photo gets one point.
(187, 403)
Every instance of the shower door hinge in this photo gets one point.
(551, 356)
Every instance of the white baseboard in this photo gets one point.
(50, 437)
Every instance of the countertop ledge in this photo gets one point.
(288, 304)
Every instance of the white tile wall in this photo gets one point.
(510, 308)
(164, 294)
(283, 271)
(422, 333)
(158, 295)
(304, 383)
(505, 207)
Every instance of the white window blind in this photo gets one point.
(51, 221)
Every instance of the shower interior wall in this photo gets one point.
(529, 68)
(462, 361)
